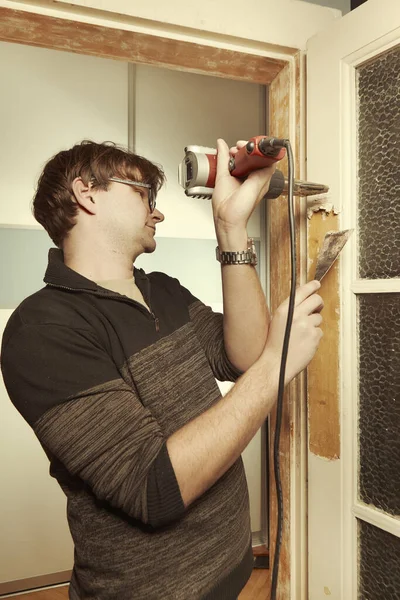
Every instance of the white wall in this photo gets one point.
(175, 109)
(49, 101)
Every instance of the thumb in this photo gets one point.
(223, 157)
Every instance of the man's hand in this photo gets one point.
(234, 201)
(305, 332)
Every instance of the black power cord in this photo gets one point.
(286, 144)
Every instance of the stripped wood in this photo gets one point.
(323, 392)
(121, 44)
(279, 124)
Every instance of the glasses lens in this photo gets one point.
(152, 202)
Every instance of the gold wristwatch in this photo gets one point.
(243, 257)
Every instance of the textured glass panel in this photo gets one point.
(379, 564)
(379, 392)
(379, 166)
(23, 261)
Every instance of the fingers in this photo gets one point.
(315, 319)
(312, 304)
(222, 159)
(235, 149)
(306, 290)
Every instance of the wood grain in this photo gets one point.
(131, 46)
(323, 391)
(280, 109)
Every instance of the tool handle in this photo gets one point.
(256, 154)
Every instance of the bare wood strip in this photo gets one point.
(106, 42)
(280, 105)
(323, 392)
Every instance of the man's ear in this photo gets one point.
(84, 195)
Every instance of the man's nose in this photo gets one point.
(157, 215)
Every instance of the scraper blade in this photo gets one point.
(333, 244)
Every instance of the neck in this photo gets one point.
(98, 263)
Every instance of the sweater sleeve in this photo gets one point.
(209, 329)
(69, 390)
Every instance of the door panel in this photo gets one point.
(353, 147)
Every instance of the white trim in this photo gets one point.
(376, 286)
(348, 349)
(378, 518)
(208, 18)
(132, 23)
(375, 48)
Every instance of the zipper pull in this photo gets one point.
(156, 322)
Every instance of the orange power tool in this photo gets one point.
(198, 169)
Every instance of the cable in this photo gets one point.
(281, 388)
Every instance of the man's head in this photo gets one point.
(74, 180)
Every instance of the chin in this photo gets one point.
(149, 249)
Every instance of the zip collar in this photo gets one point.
(59, 275)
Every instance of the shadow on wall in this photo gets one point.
(343, 5)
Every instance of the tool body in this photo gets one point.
(197, 172)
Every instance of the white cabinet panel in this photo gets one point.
(49, 101)
(174, 110)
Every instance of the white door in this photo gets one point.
(353, 121)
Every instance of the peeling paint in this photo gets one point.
(321, 203)
(326, 209)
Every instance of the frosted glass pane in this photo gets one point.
(379, 564)
(24, 253)
(379, 393)
(379, 166)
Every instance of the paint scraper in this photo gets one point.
(332, 246)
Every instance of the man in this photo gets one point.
(115, 372)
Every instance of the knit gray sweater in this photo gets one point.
(104, 382)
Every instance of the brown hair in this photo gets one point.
(54, 204)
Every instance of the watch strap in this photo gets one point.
(241, 257)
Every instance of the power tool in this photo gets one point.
(198, 169)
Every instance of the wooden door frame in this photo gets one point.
(283, 73)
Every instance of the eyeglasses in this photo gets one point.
(151, 197)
